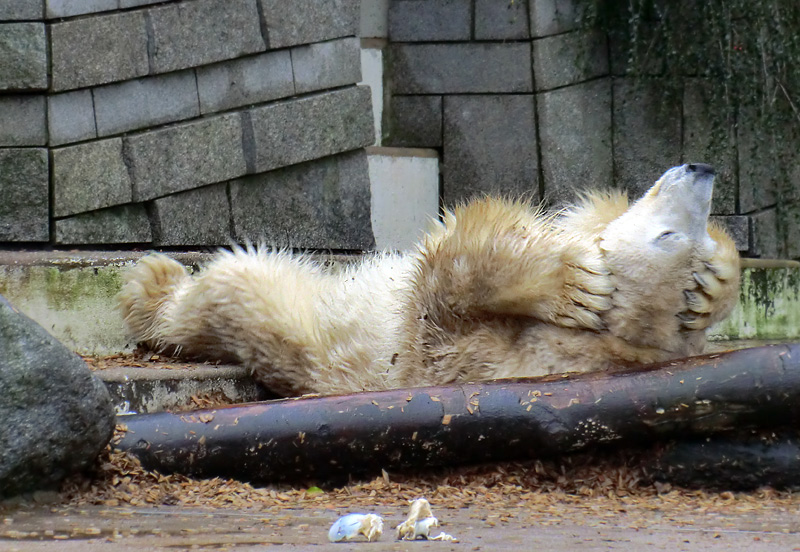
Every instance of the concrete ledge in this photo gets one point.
(137, 390)
(73, 295)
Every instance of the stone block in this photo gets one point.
(145, 102)
(245, 81)
(705, 141)
(24, 185)
(575, 139)
(23, 51)
(374, 19)
(501, 19)
(647, 135)
(326, 64)
(69, 8)
(404, 185)
(19, 10)
(769, 164)
(136, 3)
(188, 34)
(89, 176)
(322, 204)
(123, 224)
(97, 50)
(461, 68)
(549, 17)
(489, 147)
(309, 128)
(738, 227)
(767, 242)
(70, 117)
(23, 120)
(789, 229)
(430, 20)
(415, 122)
(307, 21)
(569, 58)
(196, 217)
(185, 156)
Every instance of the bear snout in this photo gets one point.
(700, 168)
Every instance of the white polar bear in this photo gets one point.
(496, 290)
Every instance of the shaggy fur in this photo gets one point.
(495, 290)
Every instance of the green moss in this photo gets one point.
(65, 289)
(748, 53)
(768, 308)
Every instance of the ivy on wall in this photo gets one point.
(748, 52)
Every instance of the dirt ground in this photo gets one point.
(583, 503)
(586, 524)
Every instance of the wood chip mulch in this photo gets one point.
(610, 484)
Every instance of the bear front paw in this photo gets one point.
(700, 301)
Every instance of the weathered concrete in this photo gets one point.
(569, 58)
(189, 34)
(73, 294)
(322, 204)
(769, 304)
(185, 156)
(196, 217)
(404, 186)
(416, 122)
(309, 128)
(139, 390)
(767, 242)
(430, 20)
(501, 20)
(89, 176)
(23, 120)
(307, 21)
(23, 51)
(326, 65)
(245, 81)
(146, 102)
(97, 50)
(70, 117)
(489, 147)
(24, 209)
(15, 10)
(122, 225)
(703, 141)
(461, 68)
(575, 133)
(549, 17)
(647, 135)
(69, 8)
(372, 75)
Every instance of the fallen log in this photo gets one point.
(323, 437)
(742, 461)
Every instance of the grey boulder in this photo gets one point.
(55, 415)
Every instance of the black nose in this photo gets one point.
(700, 168)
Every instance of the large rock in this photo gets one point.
(55, 416)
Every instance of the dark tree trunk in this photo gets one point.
(737, 462)
(313, 438)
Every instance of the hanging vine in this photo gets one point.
(747, 51)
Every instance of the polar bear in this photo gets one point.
(497, 289)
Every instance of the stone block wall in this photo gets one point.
(519, 99)
(183, 123)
